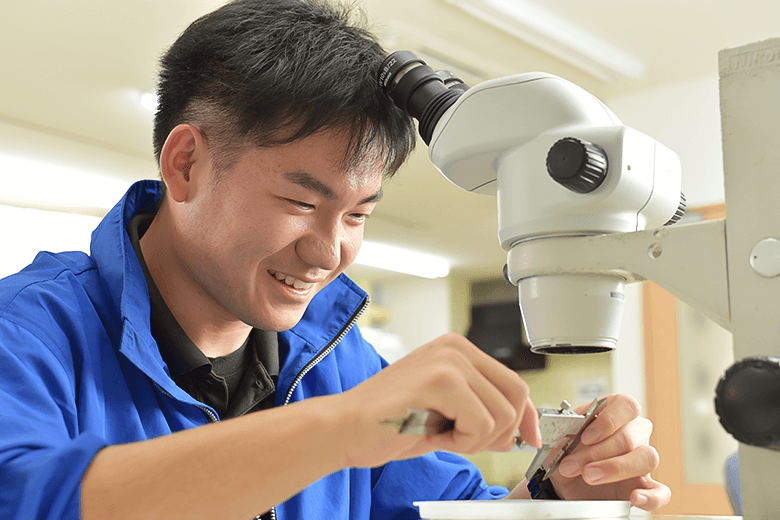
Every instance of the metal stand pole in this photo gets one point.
(750, 114)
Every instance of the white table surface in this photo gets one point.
(681, 517)
(545, 509)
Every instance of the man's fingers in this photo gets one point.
(638, 462)
(651, 496)
(504, 394)
(630, 437)
(614, 459)
(483, 415)
(619, 410)
(507, 381)
(487, 401)
(472, 410)
(501, 416)
(529, 426)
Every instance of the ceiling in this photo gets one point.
(77, 69)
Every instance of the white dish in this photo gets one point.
(524, 509)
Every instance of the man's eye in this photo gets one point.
(303, 205)
(360, 216)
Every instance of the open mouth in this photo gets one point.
(291, 280)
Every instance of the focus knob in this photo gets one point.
(747, 401)
(578, 165)
(680, 211)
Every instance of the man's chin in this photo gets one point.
(279, 323)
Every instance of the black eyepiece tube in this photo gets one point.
(419, 91)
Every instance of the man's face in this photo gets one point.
(274, 229)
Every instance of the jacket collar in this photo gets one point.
(111, 248)
(123, 277)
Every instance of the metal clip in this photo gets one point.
(561, 431)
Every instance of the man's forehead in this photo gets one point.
(362, 168)
(365, 175)
(369, 183)
(327, 157)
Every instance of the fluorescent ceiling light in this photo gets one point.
(29, 183)
(400, 260)
(555, 35)
(149, 101)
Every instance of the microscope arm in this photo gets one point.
(688, 260)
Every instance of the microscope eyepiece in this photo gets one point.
(418, 90)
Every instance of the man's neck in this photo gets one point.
(214, 332)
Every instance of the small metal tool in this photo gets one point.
(561, 431)
(421, 422)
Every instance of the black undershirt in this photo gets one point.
(233, 385)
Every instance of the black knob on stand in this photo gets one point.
(747, 400)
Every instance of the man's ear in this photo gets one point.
(183, 155)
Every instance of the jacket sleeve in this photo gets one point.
(42, 455)
(433, 477)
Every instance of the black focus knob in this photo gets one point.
(681, 207)
(578, 165)
(747, 401)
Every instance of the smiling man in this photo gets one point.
(202, 361)
(254, 248)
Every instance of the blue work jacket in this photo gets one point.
(79, 370)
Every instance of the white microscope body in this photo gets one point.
(572, 249)
(496, 139)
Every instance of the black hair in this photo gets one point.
(270, 72)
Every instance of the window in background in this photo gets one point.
(25, 231)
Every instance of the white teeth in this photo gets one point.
(291, 281)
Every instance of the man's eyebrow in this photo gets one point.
(305, 180)
(308, 182)
(376, 197)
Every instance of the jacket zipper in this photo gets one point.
(211, 416)
(324, 352)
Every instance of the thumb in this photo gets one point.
(529, 425)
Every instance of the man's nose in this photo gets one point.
(321, 247)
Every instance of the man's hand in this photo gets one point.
(487, 401)
(613, 460)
